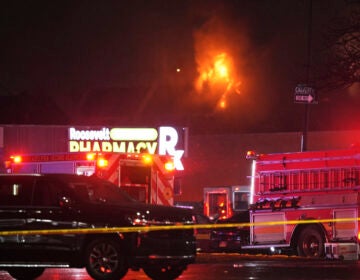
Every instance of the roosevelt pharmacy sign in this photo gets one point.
(164, 140)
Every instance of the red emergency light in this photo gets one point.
(16, 159)
(169, 166)
(90, 156)
(251, 155)
(147, 159)
(102, 162)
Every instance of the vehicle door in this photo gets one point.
(47, 212)
(15, 200)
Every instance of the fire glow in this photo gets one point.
(216, 74)
(220, 57)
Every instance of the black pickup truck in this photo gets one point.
(63, 220)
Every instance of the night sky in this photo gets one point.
(136, 63)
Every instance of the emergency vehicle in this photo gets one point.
(147, 178)
(306, 201)
(223, 202)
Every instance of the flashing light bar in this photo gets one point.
(251, 155)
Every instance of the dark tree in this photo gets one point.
(340, 66)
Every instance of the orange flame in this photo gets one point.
(213, 71)
(218, 49)
(216, 74)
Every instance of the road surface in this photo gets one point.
(239, 267)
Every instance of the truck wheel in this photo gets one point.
(26, 273)
(164, 272)
(310, 243)
(105, 260)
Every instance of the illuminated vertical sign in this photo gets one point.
(164, 141)
(168, 139)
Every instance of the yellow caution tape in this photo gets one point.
(168, 227)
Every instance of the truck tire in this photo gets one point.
(22, 273)
(311, 243)
(164, 272)
(105, 260)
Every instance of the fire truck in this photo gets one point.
(306, 201)
(223, 202)
(147, 178)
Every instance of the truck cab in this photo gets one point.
(224, 202)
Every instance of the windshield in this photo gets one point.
(98, 191)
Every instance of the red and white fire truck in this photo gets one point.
(147, 178)
(307, 201)
(223, 202)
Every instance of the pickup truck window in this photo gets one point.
(100, 192)
(16, 191)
